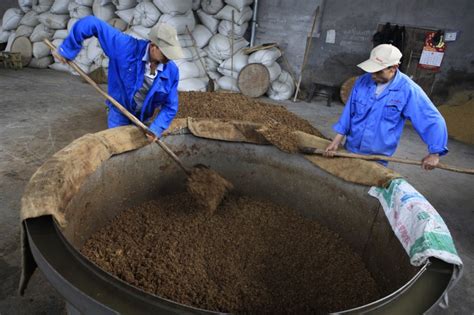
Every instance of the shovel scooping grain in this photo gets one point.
(207, 187)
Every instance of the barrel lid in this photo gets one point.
(254, 80)
(346, 88)
(23, 45)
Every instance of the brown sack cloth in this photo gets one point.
(352, 170)
(226, 130)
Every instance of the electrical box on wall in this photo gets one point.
(450, 36)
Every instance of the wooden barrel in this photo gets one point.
(346, 88)
(254, 80)
(23, 46)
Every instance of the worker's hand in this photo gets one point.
(333, 146)
(151, 137)
(58, 57)
(430, 161)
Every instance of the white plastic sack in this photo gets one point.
(190, 54)
(212, 6)
(189, 70)
(78, 11)
(228, 73)
(126, 15)
(225, 28)
(40, 50)
(416, 223)
(192, 84)
(94, 50)
(211, 64)
(146, 14)
(196, 4)
(40, 6)
(25, 5)
(174, 7)
(104, 12)
(202, 35)
(228, 83)
(87, 3)
(185, 40)
(60, 34)
(54, 21)
(240, 60)
(282, 88)
(58, 42)
(210, 56)
(41, 32)
(208, 20)
(180, 22)
(4, 35)
(139, 32)
(11, 19)
(60, 67)
(24, 30)
(10, 40)
(220, 46)
(240, 17)
(60, 7)
(118, 23)
(40, 63)
(30, 19)
(266, 56)
(124, 4)
(274, 70)
(214, 75)
(239, 4)
(71, 23)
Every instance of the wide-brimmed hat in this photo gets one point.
(165, 37)
(381, 57)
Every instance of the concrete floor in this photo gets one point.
(44, 110)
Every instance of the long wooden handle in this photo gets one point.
(122, 109)
(306, 53)
(308, 150)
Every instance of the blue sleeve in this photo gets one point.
(168, 111)
(427, 121)
(111, 40)
(343, 125)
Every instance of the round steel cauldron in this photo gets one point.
(129, 179)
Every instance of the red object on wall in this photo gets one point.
(433, 51)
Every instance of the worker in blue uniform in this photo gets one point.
(141, 75)
(380, 102)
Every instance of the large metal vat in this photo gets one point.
(132, 178)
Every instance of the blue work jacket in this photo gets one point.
(374, 124)
(126, 73)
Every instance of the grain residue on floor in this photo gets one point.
(249, 257)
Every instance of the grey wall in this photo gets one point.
(355, 21)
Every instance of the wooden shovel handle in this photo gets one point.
(308, 150)
(122, 109)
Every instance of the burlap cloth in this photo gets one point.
(53, 185)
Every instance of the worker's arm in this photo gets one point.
(168, 110)
(111, 40)
(429, 124)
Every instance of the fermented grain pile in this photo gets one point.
(278, 121)
(459, 115)
(207, 187)
(249, 257)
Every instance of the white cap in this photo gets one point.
(165, 37)
(381, 57)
